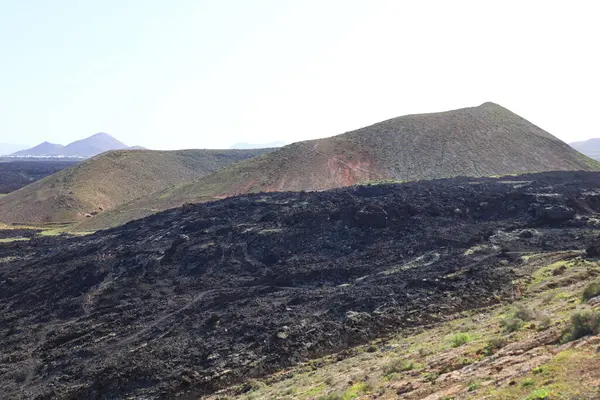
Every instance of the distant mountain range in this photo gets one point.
(84, 148)
(590, 147)
(243, 145)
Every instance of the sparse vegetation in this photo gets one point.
(582, 324)
(539, 394)
(351, 393)
(398, 365)
(459, 339)
(528, 382)
(525, 314)
(493, 345)
(110, 179)
(511, 324)
(591, 290)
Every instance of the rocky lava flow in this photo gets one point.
(193, 299)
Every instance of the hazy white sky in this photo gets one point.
(207, 74)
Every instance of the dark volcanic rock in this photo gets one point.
(553, 214)
(199, 297)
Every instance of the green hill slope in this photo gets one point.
(478, 141)
(109, 180)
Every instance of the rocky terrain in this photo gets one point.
(16, 174)
(198, 298)
(486, 140)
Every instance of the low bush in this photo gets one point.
(511, 324)
(591, 290)
(332, 396)
(397, 366)
(582, 324)
(459, 339)
(525, 314)
(539, 394)
(494, 344)
(545, 323)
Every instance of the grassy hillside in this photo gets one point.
(479, 141)
(108, 180)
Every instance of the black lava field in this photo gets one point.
(204, 296)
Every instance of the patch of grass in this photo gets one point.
(356, 390)
(591, 290)
(459, 339)
(430, 376)
(494, 344)
(525, 314)
(544, 323)
(511, 324)
(332, 396)
(515, 321)
(315, 390)
(539, 394)
(538, 370)
(527, 382)
(397, 366)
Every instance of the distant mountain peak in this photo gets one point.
(101, 135)
(589, 147)
(84, 148)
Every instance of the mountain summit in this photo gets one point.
(84, 148)
(45, 149)
(93, 145)
(476, 141)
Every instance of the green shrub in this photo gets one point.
(527, 382)
(430, 376)
(544, 323)
(332, 396)
(591, 290)
(494, 344)
(511, 324)
(397, 366)
(548, 297)
(582, 324)
(371, 349)
(423, 352)
(459, 339)
(539, 394)
(525, 314)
